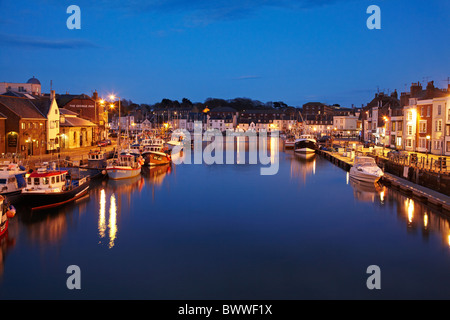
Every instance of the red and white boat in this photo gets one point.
(52, 188)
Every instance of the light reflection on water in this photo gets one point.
(224, 231)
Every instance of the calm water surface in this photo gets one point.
(226, 232)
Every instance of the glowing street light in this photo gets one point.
(113, 98)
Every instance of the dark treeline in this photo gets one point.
(240, 104)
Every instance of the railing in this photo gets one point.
(439, 164)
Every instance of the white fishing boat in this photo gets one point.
(365, 169)
(124, 166)
(12, 180)
(305, 144)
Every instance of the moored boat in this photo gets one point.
(157, 158)
(52, 188)
(12, 181)
(96, 166)
(154, 153)
(365, 169)
(305, 144)
(289, 143)
(175, 140)
(123, 167)
(7, 212)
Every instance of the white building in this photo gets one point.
(396, 129)
(410, 126)
(49, 108)
(32, 86)
(438, 128)
(346, 125)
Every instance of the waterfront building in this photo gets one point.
(318, 124)
(32, 86)
(226, 114)
(440, 117)
(447, 127)
(375, 118)
(47, 106)
(49, 109)
(75, 132)
(195, 116)
(145, 125)
(89, 108)
(396, 128)
(25, 128)
(410, 127)
(316, 108)
(346, 125)
(424, 117)
(125, 122)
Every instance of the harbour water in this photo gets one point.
(202, 231)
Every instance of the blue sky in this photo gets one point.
(291, 50)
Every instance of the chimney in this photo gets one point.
(95, 95)
(394, 94)
(52, 95)
(415, 89)
(430, 89)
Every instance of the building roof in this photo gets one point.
(43, 104)
(22, 107)
(33, 81)
(63, 99)
(66, 112)
(76, 122)
(314, 104)
(223, 109)
(262, 111)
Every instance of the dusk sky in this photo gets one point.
(291, 50)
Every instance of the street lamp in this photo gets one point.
(112, 97)
(428, 142)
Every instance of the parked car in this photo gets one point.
(324, 138)
(102, 143)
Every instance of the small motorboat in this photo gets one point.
(365, 169)
(48, 188)
(289, 143)
(7, 212)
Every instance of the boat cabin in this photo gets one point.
(307, 136)
(43, 179)
(96, 156)
(126, 160)
(365, 161)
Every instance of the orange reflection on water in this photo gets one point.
(112, 221)
(410, 207)
(101, 216)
